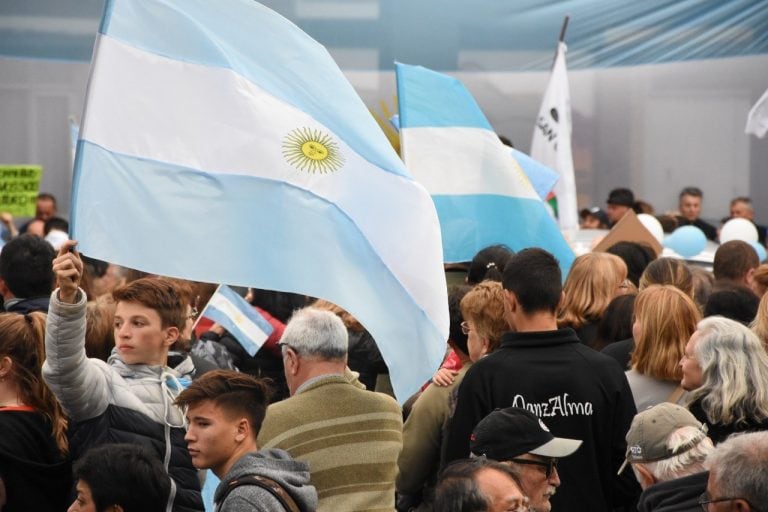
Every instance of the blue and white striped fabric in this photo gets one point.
(542, 178)
(220, 143)
(482, 195)
(233, 312)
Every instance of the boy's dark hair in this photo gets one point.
(157, 293)
(127, 475)
(733, 260)
(533, 275)
(235, 392)
(637, 257)
(26, 266)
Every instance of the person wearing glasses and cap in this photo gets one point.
(667, 448)
(521, 440)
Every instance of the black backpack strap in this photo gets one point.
(274, 488)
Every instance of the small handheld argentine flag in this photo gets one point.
(233, 312)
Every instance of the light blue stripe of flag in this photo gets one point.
(296, 260)
(209, 490)
(472, 222)
(427, 98)
(227, 319)
(274, 54)
(542, 177)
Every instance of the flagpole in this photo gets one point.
(561, 39)
(564, 28)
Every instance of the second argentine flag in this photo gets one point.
(482, 195)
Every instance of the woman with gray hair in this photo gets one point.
(726, 369)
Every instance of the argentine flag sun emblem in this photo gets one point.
(311, 150)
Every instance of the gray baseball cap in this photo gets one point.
(650, 429)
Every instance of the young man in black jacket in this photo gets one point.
(579, 393)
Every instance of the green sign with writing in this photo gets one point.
(19, 185)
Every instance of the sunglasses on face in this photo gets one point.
(549, 465)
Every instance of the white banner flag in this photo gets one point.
(551, 143)
(757, 119)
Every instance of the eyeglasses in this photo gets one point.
(465, 327)
(550, 465)
(194, 312)
(704, 501)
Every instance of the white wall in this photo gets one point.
(36, 99)
(653, 128)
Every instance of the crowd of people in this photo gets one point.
(688, 213)
(635, 382)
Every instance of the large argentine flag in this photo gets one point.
(238, 317)
(482, 195)
(220, 143)
(551, 143)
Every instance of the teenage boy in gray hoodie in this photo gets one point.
(225, 410)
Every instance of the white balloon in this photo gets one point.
(738, 229)
(653, 225)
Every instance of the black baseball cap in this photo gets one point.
(508, 433)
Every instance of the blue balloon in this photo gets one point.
(760, 250)
(687, 241)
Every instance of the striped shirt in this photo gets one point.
(350, 437)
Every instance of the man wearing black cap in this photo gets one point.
(619, 201)
(521, 440)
